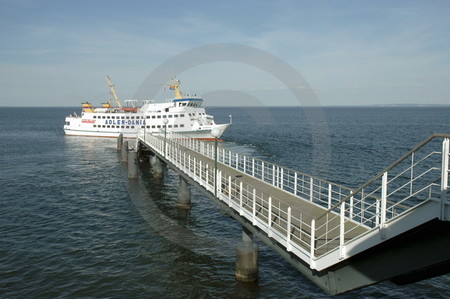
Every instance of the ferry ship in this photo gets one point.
(184, 115)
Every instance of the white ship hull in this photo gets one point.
(183, 115)
(203, 134)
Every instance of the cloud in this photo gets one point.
(374, 46)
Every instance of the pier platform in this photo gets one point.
(338, 237)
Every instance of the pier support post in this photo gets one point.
(119, 142)
(124, 153)
(157, 167)
(132, 165)
(184, 194)
(247, 258)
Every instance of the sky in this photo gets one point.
(344, 53)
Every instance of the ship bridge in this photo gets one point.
(394, 227)
(188, 102)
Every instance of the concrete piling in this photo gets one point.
(119, 142)
(184, 194)
(157, 167)
(132, 165)
(247, 259)
(124, 152)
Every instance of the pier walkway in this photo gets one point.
(338, 237)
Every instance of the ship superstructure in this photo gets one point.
(184, 115)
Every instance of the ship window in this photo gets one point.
(132, 117)
(170, 126)
(175, 115)
(175, 126)
(170, 116)
(159, 126)
(164, 116)
(182, 125)
(148, 127)
(103, 117)
(113, 117)
(103, 126)
(159, 116)
(127, 117)
(153, 116)
(108, 126)
(122, 127)
(132, 127)
(142, 127)
(148, 116)
(108, 117)
(153, 126)
(128, 127)
(123, 117)
(181, 115)
(95, 116)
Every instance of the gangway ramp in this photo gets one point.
(340, 238)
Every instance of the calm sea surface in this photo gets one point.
(73, 225)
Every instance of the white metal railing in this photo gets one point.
(420, 175)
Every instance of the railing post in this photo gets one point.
(219, 183)
(311, 189)
(312, 263)
(195, 167)
(350, 210)
(207, 174)
(295, 183)
(253, 167)
(269, 217)
(245, 164)
(241, 212)
(282, 178)
(444, 176)
(329, 195)
(273, 176)
(288, 230)
(229, 190)
(189, 165)
(262, 171)
(254, 207)
(383, 203)
(412, 174)
(342, 231)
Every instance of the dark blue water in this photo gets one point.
(73, 225)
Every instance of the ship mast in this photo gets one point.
(174, 86)
(113, 92)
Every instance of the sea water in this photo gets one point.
(73, 225)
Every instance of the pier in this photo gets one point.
(394, 227)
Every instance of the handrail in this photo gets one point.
(347, 219)
(380, 174)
